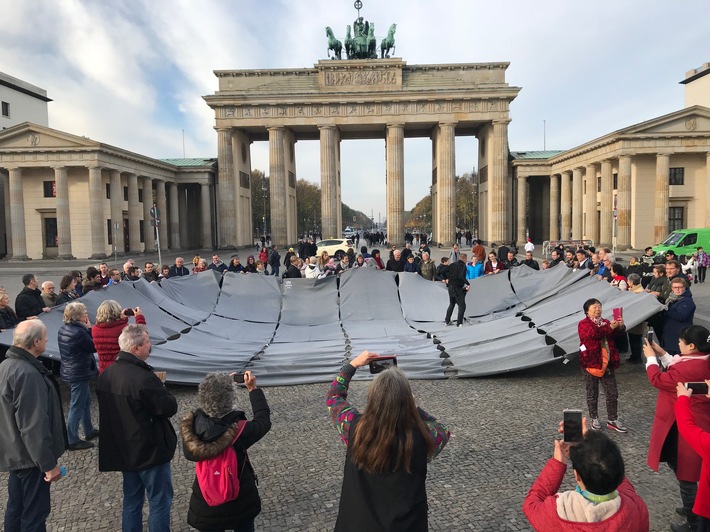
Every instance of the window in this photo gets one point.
(50, 189)
(140, 195)
(689, 240)
(51, 239)
(125, 193)
(5, 109)
(616, 181)
(675, 218)
(584, 187)
(243, 180)
(110, 232)
(142, 230)
(292, 180)
(599, 184)
(108, 192)
(676, 176)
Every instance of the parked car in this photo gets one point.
(336, 247)
(685, 241)
(349, 232)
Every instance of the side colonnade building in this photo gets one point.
(66, 196)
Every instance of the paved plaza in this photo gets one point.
(502, 428)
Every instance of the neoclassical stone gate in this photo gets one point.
(377, 98)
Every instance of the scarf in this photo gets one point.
(596, 499)
(598, 321)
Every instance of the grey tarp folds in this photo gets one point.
(302, 330)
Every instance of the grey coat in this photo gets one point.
(32, 430)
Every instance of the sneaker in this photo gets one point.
(616, 425)
(81, 445)
(460, 325)
(93, 434)
(596, 425)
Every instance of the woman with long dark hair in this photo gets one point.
(388, 447)
(692, 365)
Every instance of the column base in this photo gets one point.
(98, 256)
(229, 248)
(18, 258)
(67, 256)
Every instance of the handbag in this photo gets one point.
(599, 372)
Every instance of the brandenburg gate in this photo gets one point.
(341, 99)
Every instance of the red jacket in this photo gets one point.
(106, 339)
(688, 369)
(591, 337)
(540, 506)
(699, 440)
(488, 267)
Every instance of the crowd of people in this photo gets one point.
(388, 444)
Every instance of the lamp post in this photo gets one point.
(263, 196)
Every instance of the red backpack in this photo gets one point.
(218, 477)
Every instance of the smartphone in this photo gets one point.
(650, 337)
(699, 388)
(618, 313)
(382, 363)
(572, 425)
(239, 378)
(128, 312)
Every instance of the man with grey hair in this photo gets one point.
(137, 437)
(32, 433)
(427, 267)
(49, 296)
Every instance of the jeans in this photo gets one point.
(157, 482)
(27, 501)
(79, 411)
(275, 270)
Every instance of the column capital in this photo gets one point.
(523, 177)
(327, 126)
(58, 167)
(568, 172)
(276, 128)
(221, 129)
(664, 154)
(395, 125)
(502, 121)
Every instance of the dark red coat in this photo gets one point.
(700, 441)
(488, 267)
(691, 369)
(591, 337)
(106, 339)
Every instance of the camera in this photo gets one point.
(380, 364)
(128, 312)
(239, 378)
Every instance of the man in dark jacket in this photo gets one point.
(457, 285)
(32, 433)
(217, 264)
(29, 302)
(274, 261)
(137, 437)
(178, 269)
(530, 262)
(395, 264)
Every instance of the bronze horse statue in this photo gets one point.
(372, 42)
(333, 44)
(348, 42)
(387, 43)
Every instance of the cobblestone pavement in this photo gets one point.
(503, 430)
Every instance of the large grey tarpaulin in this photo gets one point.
(302, 330)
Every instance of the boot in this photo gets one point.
(688, 490)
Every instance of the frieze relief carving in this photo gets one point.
(369, 77)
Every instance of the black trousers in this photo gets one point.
(27, 502)
(457, 296)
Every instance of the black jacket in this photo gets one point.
(28, 303)
(8, 318)
(134, 415)
(395, 265)
(456, 276)
(292, 273)
(76, 346)
(532, 263)
(205, 437)
(178, 272)
(151, 276)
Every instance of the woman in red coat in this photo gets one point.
(110, 321)
(692, 365)
(599, 358)
(493, 265)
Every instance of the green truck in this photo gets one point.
(685, 241)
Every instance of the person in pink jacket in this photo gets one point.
(604, 499)
(699, 440)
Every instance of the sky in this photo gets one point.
(132, 73)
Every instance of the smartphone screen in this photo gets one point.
(572, 426)
(382, 363)
(699, 388)
(239, 378)
(649, 337)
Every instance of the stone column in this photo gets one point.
(498, 190)
(606, 231)
(161, 198)
(205, 207)
(277, 185)
(148, 230)
(174, 217)
(591, 230)
(63, 216)
(521, 237)
(660, 230)
(17, 216)
(117, 212)
(226, 186)
(554, 207)
(134, 215)
(96, 213)
(394, 146)
(6, 221)
(577, 204)
(566, 205)
(183, 192)
(623, 203)
(329, 181)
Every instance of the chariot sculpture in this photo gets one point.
(360, 40)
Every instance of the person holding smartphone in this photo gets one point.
(692, 365)
(603, 496)
(388, 447)
(211, 429)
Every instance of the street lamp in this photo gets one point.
(263, 196)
